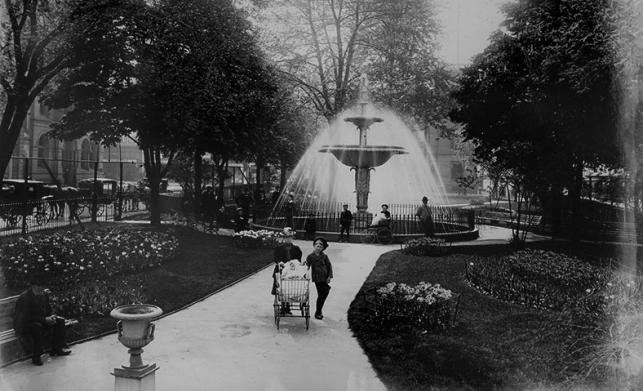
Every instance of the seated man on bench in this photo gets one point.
(382, 219)
(34, 317)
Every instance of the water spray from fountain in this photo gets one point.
(389, 164)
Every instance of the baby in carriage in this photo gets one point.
(283, 254)
(290, 289)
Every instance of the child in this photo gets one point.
(345, 220)
(321, 273)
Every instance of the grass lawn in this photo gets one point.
(494, 346)
(205, 263)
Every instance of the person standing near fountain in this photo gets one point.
(426, 219)
(345, 221)
(289, 211)
(321, 273)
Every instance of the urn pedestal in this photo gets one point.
(135, 330)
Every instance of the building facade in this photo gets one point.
(40, 157)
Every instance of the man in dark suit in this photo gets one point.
(33, 318)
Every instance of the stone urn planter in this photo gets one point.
(135, 329)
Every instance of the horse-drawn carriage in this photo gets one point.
(103, 191)
(24, 199)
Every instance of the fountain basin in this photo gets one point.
(363, 122)
(363, 156)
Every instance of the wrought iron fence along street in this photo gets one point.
(26, 216)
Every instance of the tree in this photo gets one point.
(38, 40)
(404, 71)
(323, 47)
(538, 100)
(176, 80)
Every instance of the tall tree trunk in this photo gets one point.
(574, 194)
(222, 173)
(260, 165)
(153, 170)
(12, 120)
(556, 210)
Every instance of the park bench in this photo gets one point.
(11, 346)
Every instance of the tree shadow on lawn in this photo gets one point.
(494, 346)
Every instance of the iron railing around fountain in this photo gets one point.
(446, 219)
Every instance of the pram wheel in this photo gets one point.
(306, 313)
(277, 308)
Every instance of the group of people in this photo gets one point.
(321, 270)
(383, 219)
(34, 318)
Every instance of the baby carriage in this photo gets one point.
(291, 299)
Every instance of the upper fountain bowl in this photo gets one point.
(363, 122)
(363, 157)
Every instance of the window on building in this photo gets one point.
(43, 150)
(85, 155)
(43, 109)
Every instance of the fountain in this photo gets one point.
(363, 158)
(392, 163)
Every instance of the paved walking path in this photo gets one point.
(229, 341)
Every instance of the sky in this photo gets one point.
(466, 26)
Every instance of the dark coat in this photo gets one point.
(345, 218)
(30, 308)
(320, 267)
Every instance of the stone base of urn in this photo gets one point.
(135, 379)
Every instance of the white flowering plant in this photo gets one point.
(68, 258)
(426, 305)
(258, 238)
(425, 247)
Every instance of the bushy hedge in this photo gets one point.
(425, 247)
(542, 279)
(67, 258)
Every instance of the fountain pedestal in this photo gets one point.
(363, 157)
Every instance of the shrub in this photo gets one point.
(425, 305)
(68, 258)
(425, 247)
(542, 279)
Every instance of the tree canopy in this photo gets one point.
(539, 100)
(184, 76)
(38, 40)
(322, 48)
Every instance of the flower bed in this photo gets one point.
(425, 247)
(68, 258)
(427, 306)
(97, 298)
(256, 239)
(542, 279)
